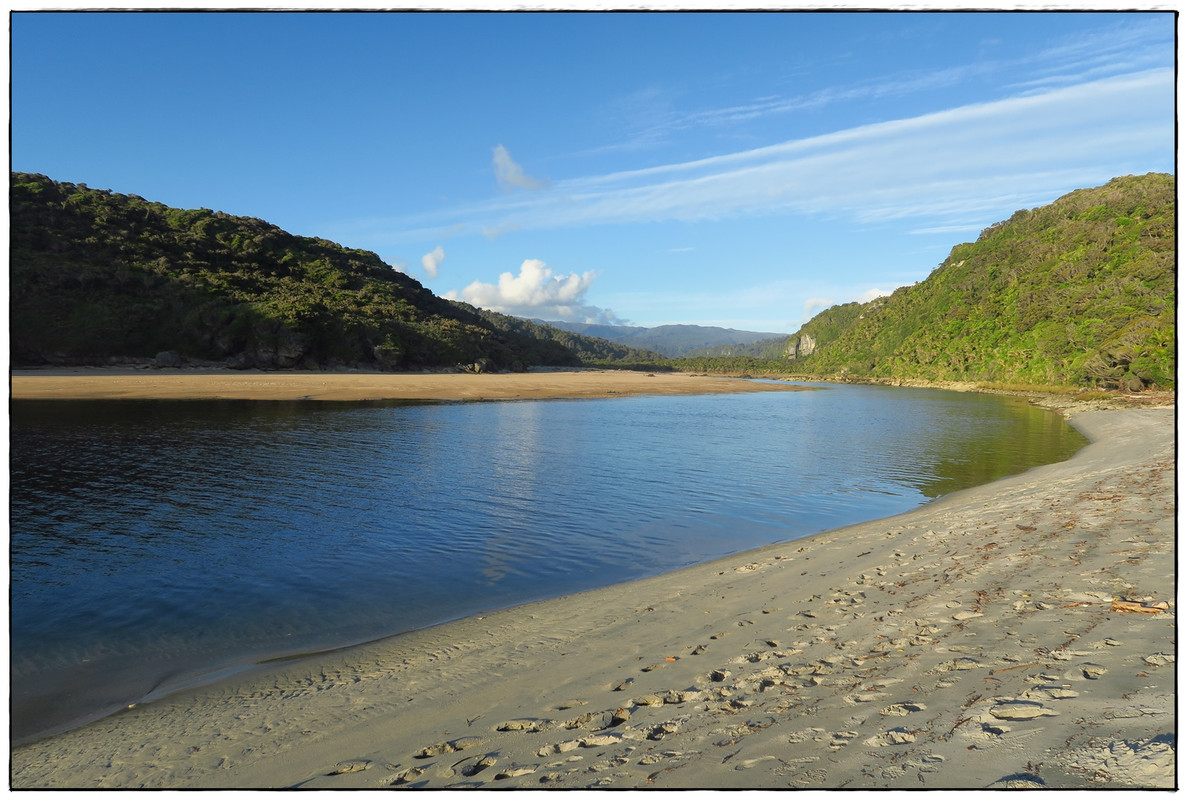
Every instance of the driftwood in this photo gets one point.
(1130, 605)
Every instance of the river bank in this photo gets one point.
(1019, 633)
(113, 383)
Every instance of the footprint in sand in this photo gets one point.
(407, 776)
(1159, 659)
(451, 746)
(1021, 710)
(559, 747)
(600, 740)
(469, 767)
(582, 720)
(841, 739)
(526, 725)
(806, 734)
(890, 738)
(675, 697)
(1062, 692)
(355, 765)
(864, 697)
(665, 729)
(957, 664)
(599, 720)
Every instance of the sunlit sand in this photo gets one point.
(1020, 633)
(84, 383)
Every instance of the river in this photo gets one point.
(158, 544)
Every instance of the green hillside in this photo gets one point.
(1080, 292)
(774, 347)
(673, 341)
(98, 277)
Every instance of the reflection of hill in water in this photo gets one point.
(156, 539)
(984, 455)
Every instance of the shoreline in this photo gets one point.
(950, 646)
(114, 383)
(144, 382)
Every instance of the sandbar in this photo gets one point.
(104, 383)
(1018, 634)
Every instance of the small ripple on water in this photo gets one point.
(167, 537)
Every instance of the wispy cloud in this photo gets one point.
(1128, 47)
(494, 232)
(814, 305)
(432, 261)
(871, 294)
(894, 86)
(950, 168)
(1112, 49)
(940, 229)
(510, 175)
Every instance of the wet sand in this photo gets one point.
(100, 383)
(1016, 634)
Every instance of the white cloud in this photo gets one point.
(432, 261)
(814, 305)
(942, 229)
(1111, 49)
(494, 232)
(511, 175)
(1138, 43)
(536, 292)
(959, 162)
(964, 166)
(871, 294)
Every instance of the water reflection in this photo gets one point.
(150, 541)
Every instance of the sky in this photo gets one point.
(736, 169)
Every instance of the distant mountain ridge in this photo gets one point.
(673, 341)
(1078, 292)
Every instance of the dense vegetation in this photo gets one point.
(774, 347)
(1077, 293)
(99, 277)
(591, 347)
(1080, 292)
(674, 341)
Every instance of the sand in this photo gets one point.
(1016, 634)
(93, 383)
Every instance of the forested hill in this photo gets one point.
(1079, 292)
(98, 277)
(672, 341)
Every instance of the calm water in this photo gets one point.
(154, 544)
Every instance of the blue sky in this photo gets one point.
(736, 169)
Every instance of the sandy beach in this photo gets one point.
(105, 383)
(1019, 634)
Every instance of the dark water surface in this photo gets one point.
(155, 544)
